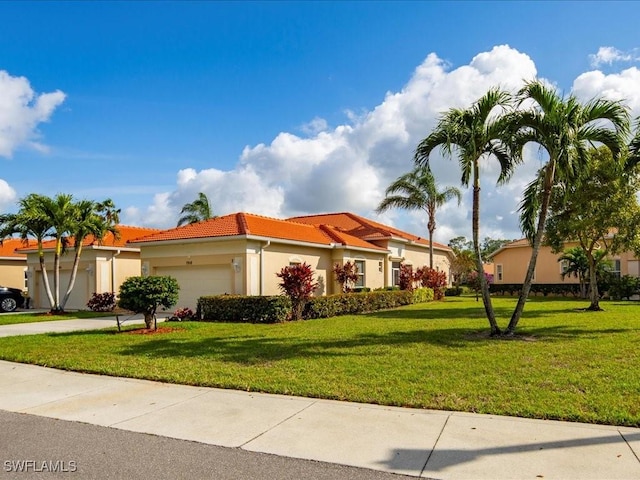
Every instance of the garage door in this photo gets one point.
(196, 282)
(79, 295)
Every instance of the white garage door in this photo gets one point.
(196, 282)
(79, 295)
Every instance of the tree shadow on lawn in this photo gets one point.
(251, 350)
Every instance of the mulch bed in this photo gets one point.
(151, 331)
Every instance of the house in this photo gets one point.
(512, 260)
(241, 253)
(13, 265)
(103, 266)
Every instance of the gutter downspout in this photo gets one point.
(262, 266)
(113, 270)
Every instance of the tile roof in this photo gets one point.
(363, 227)
(126, 234)
(241, 223)
(9, 245)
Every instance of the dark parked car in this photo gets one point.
(10, 299)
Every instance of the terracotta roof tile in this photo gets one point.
(126, 234)
(9, 245)
(238, 224)
(363, 227)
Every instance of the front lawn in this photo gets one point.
(566, 364)
(13, 318)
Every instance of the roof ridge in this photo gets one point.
(330, 231)
(242, 223)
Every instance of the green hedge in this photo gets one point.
(235, 308)
(423, 295)
(249, 309)
(544, 289)
(349, 303)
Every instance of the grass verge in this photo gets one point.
(565, 364)
(14, 318)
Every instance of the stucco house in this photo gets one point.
(103, 266)
(241, 253)
(13, 265)
(512, 260)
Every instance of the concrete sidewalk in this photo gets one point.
(421, 443)
(61, 326)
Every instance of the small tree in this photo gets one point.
(473, 281)
(437, 281)
(145, 294)
(297, 283)
(406, 277)
(346, 276)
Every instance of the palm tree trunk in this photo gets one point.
(431, 246)
(72, 280)
(537, 241)
(56, 277)
(484, 286)
(45, 277)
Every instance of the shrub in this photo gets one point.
(624, 287)
(183, 313)
(102, 302)
(453, 292)
(346, 275)
(145, 294)
(297, 284)
(236, 308)
(351, 303)
(406, 277)
(434, 279)
(422, 295)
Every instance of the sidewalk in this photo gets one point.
(421, 443)
(59, 326)
(431, 444)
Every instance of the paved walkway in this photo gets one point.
(420, 443)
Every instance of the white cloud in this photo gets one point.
(609, 55)
(21, 110)
(614, 86)
(347, 168)
(7, 195)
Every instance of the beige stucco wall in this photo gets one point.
(12, 273)
(514, 262)
(95, 274)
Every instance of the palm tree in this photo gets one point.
(471, 135)
(196, 211)
(418, 190)
(565, 128)
(577, 265)
(634, 148)
(91, 219)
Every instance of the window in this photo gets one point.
(499, 273)
(360, 268)
(26, 279)
(564, 266)
(395, 274)
(615, 268)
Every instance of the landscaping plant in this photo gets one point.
(145, 294)
(297, 284)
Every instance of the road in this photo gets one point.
(33, 447)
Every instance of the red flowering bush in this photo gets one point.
(102, 302)
(297, 283)
(434, 279)
(346, 276)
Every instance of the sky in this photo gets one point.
(282, 108)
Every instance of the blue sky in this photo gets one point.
(279, 108)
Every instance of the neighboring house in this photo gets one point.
(512, 260)
(241, 253)
(13, 265)
(103, 266)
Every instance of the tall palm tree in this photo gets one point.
(90, 219)
(565, 129)
(634, 148)
(418, 190)
(472, 135)
(196, 211)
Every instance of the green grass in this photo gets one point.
(12, 319)
(566, 364)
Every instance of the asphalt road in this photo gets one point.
(33, 447)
